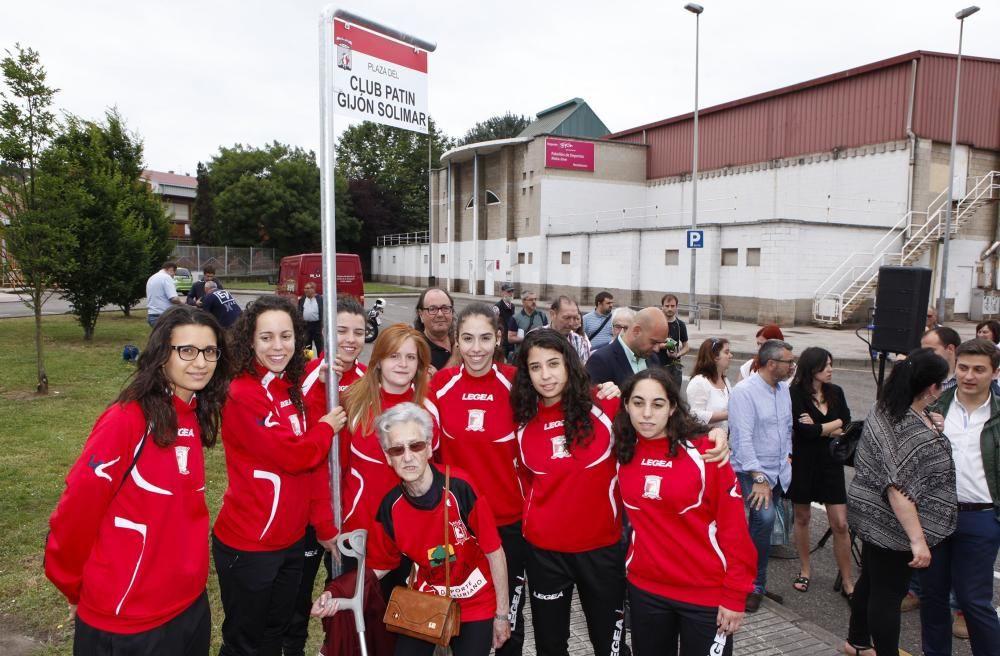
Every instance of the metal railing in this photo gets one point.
(901, 245)
(227, 260)
(403, 238)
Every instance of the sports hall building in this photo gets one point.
(803, 192)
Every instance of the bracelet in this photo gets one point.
(504, 617)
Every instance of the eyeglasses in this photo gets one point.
(789, 361)
(414, 447)
(437, 309)
(189, 353)
(619, 326)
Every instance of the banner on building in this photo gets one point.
(379, 79)
(569, 154)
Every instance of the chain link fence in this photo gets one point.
(228, 260)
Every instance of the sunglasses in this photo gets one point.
(414, 447)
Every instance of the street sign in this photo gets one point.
(379, 79)
(696, 238)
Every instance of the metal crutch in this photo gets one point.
(353, 544)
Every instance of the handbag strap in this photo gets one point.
(447, 546)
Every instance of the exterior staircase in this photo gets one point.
(854, 281)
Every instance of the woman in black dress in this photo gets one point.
(819, 413)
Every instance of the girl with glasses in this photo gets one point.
(691, 562)
(127, 540)
(276, 465)
(473, 402)
(708, 389)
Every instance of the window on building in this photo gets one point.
(426, 256)
(520, 258)
(671, 257)
(730, 256)
(524, 175)
(565, 257)
(472, 201)
(393, 259)
(753, 257)
(523, 191)
(491, 198)
(531, 256)
(442, 258)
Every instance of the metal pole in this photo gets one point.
(474, 269)
(693, 295)
(961, 16)
(328, 163)
(430, 209)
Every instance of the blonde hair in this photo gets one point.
(363, 399)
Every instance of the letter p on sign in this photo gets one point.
(696, 238)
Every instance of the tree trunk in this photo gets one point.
(126, 310)
(43, 379)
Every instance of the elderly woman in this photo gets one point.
(409, 523)
(902, 500)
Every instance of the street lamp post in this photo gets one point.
(696, 10)
(961, 16)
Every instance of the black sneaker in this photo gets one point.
(753, 602)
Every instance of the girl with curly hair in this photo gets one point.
(276, 465)
(127, 540)
(571, 519)
(691, 562)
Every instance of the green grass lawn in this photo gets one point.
(41, 437)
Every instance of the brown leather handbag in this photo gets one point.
(422, 615)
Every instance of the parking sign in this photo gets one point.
(696, 238)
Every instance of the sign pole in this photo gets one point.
(370, 71)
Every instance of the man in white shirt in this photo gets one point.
(161, 292)
(969, 415)
(311, 309)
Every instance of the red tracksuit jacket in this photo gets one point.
(690, 541)
(573, 501)
(136, 559)
(477, 428)
(314, 392)
(272, 462)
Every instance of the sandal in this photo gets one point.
(849, 596)
(801, 583)
(852, 649)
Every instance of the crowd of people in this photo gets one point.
(560, 452)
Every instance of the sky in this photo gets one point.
(190, 77)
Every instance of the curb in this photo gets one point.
(805, 625)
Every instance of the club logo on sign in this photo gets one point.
(344, 54)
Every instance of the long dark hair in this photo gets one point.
(921, 369)
(150, 388)
(576, 400)
(682, 426)
(812, 361)
(243, 331)
(485, 311)
(704, 364)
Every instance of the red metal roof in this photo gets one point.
(859, 106)
(169, 178)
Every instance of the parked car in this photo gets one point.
(296, 270)
(183, 280)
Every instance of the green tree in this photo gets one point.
(271, 197)
(120, 228)
(396, 161)
(496, 127)
(35, 236)
(204, 225)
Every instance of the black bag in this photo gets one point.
(843, 447)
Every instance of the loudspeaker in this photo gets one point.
(900, 308)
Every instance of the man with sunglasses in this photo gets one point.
(435, 311)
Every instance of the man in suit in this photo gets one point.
(633, 351)
(311, 309)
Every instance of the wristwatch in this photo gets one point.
(760, 478)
